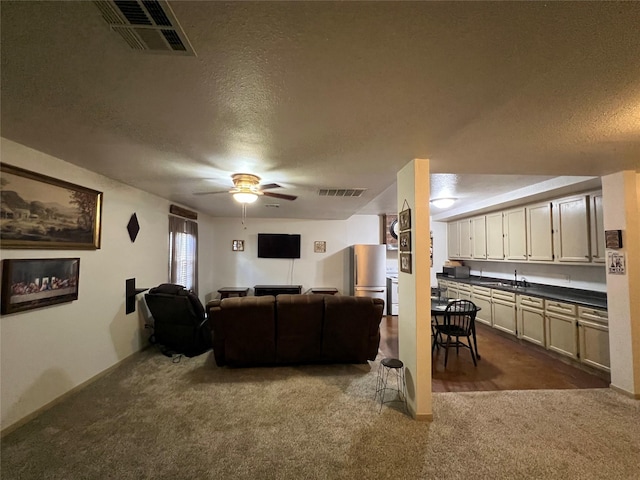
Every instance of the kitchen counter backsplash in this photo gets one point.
(588, 298)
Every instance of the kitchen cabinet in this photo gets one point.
(561, 331)
(597, 227)
(504, 311)
(531, 323)
(571, 218)
(481, 297)
(593, 337)
(453, 240)
(539, 232)
(448, 289)
(495, 236)
(479, 237)
(464, 237)
(464, 291)
(515, 239)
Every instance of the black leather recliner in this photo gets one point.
(180, 324)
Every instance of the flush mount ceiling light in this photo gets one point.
(443, 202)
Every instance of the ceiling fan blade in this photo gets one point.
(269, 186)
(279, 195)
(211, 193)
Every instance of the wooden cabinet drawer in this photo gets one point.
(481, 291)
(502, 295)
(560, 307)
(593, 314)
(532, 302)
(464, 287)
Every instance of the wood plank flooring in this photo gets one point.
(506, 364)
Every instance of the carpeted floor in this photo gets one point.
(153, 419)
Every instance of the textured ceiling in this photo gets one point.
(319, 95)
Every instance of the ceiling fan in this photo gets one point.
(247, 188)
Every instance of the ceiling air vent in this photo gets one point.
(146, 25)
(341, 192)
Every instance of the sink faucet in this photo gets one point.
(515, 278)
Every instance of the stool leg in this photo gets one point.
(383, 391)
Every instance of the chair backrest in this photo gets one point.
(462, 314)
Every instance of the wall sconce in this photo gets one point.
(443, 202)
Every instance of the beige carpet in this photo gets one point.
(153, 419)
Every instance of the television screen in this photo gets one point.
(278, 245)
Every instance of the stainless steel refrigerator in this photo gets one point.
(369, 271)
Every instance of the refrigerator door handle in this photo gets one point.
(355, 263)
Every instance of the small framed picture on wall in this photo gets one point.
(404, 241)
(405, 262)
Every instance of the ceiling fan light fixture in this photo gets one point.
(443, 202)
(245, 197)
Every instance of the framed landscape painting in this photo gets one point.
(44, 212)
(35, 283)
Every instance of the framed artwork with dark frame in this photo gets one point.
(404, 241)
(36, 283)
(46, 213)
(404, 220)
(405, 262)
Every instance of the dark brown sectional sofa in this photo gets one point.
(290, 329)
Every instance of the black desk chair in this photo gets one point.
(457, 323)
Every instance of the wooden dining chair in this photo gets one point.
(457, 324)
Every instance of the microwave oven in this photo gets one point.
(456, 272)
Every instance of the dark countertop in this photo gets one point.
(585, 298)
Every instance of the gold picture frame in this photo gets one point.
(46, 213)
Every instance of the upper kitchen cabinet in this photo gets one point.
(453, 241)
(539, 232)
(479, 237)
(515, 240)
(464, 232)
(495, 236)
(564, 230)
(571, 219)
(597, 227)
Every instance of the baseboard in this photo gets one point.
(634, 396)
(14, 426)
(424, 417)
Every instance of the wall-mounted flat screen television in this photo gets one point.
(278, 245)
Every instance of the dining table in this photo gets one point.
(438, 308)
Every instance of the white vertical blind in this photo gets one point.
(183, 253)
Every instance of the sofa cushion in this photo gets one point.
(351, 329)
(244, 331)
(299, 328)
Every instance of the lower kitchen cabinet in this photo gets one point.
(531, 323)
(593, 335)
(562, 334)
(504, 311)
(481, 297)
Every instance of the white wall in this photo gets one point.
(330, 269)
(48, 351)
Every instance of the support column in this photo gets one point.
(621, 202)
(414, 318)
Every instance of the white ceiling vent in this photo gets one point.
(341, 192)
(147, 25)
